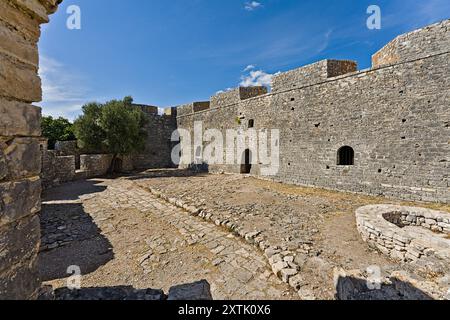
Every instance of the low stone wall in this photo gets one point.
(95, 165)
(402, 232)
(69, 148)
(56, 169)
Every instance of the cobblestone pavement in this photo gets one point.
(122, 236)
(305, 233)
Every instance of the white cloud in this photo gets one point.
(223, 91)
(63, 92)
(249, 67)
(252, 5)
(326, 41)
(257, 78)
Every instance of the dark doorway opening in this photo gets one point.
(117, 165)
(346, 156)
(246, 166)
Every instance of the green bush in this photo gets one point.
(54, 130)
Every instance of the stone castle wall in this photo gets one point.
(431, 40)
(56, 169)
(158, 145)
(20, 161)
(395, 117)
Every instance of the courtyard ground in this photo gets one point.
(121, 232)
(121, 236)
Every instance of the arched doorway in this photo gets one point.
(346, 156)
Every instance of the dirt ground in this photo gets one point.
(122, 235)
(319, 221)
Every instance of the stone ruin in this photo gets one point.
(394, 117)
(408, 234)
(418, 239)
(68, 163)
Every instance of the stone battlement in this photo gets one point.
(392, 120)
(428, 41)
(312, 74)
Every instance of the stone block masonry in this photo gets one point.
(20, 165)
(57, 169)
(388, 229)
(393, 120)
(158, 145)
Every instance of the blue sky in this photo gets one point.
(169, 52)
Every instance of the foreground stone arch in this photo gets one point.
(20, 164)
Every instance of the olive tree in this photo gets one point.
(115, 127)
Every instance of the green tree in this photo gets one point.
(115, 127)
(54, 130)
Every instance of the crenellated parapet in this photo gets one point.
(428, 41)
(312, 74)
(379, 131)
(236, 95)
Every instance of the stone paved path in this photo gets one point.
(305, 233)
(121, 235)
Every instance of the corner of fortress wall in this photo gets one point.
(394, 115)
(431, 40)
(20, 134)
(159, 127)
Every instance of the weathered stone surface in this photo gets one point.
(21, 157)
(420, 43)
(19, 119)
(19, 199)
(19, 241)
(13, 44)
(20, 281)
(56, 169)
(312, 74)
(399, 233)
(19, 149)
(35, 8)
(19, 81)
(158, 148)
(195, 291)
(20, 21)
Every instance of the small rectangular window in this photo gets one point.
(251, 123)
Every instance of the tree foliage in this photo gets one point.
(114, 127)
(54, 130)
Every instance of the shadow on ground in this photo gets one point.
(200, 291)
(198, 171)
(73, 190)
(69, 236)
(351, 288)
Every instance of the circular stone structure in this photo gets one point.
(406, 233)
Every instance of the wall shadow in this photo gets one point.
(73, 190)
(351, 288)
(197, 291)
(109, 293)
(69, 237)
(193, 170)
